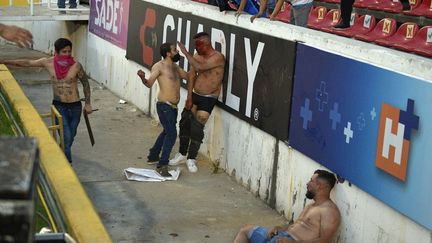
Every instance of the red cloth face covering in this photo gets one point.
(62, 65)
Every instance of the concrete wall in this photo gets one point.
(269, 168)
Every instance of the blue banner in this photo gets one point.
(370, 125)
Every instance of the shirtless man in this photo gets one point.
(203, 90)
(169, 76)
(20, 36)
(317, 223)
(64, 71)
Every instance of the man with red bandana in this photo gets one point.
(65, 72)
(203, 90)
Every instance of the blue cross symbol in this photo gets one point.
(408, 118)
(321, 96)
(373, 113)
(335, 116)
(306, 113)
(348, 133)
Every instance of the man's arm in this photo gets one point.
(20, 36)
(155, 72)
(212, 62)
(86, 88)
(190, 85)
(263, 5)
(277, 9)
(240, 8)
(26, 63)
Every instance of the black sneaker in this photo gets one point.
(341, 26)
(152, 161)
(163, 171)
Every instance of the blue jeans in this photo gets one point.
(166, 139)
(300, 13)
(259, 235)
(62, 3)
(71, 114)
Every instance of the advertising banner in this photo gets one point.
(258, 71)
(370, 125)
(109, 19)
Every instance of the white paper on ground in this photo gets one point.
(139, 174)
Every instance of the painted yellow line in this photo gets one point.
(81, 218)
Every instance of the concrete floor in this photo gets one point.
(201, 207)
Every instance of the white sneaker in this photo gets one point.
(191, 164)
(178, 159)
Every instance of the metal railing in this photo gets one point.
(57, 125)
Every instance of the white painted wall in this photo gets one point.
(244, 151)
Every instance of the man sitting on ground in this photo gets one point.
(317, 223)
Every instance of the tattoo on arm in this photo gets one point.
(86, 86)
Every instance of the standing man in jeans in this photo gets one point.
(169, 76)
(65, 72)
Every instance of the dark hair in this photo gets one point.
(165, 48)
(329, 177)
(201, 34)
(61, 43)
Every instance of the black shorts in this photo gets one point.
(203, 103)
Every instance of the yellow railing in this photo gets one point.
(81, 218)
(55, 118)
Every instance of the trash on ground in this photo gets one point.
(140, 174)
(122, 101)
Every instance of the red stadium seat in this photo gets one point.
(393, 6)
(420, 44)
(361, 25)
(423, 9)
(332, 18)
(285, 14)
(404, 34)
(316, 15)
(386, 27)
(365, 3)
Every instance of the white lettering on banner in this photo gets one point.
(395, 140)
(231, 100)
(168, 22)
(252, 68)
(107, 14)
(218, 36)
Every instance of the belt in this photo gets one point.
(174, 106)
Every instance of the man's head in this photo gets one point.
(322, 181)
(202, 43)
(63, 47)
(169, 50)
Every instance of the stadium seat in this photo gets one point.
(332, 18)
(392, 6)
(361, 25)
(354, 18)
(420, 44)
(414, 4)
(316, 15)
(365, 3)
(404, 34)
(384, 28)
(423, 9)
(285, 13)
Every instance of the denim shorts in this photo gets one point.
(259, 235)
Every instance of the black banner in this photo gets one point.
(258, 72)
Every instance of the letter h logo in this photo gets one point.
(394, 137)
